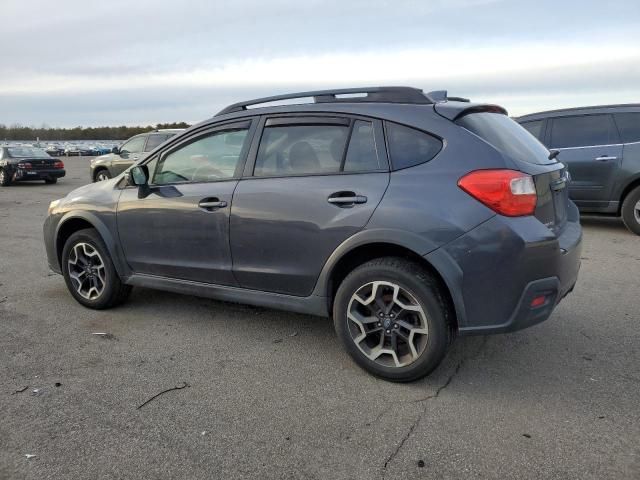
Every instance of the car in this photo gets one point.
(407, 217)
(601, 147)
(102, 150)
(112, 164)
(54, 150)
(18, 163)
(77, 150)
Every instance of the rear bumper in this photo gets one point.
(495, 272)
(20, 174)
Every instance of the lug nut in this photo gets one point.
(391, 315)
(379, 324)
(388, 331)
(395, 325)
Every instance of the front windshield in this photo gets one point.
(20, 152)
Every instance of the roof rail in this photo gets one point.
(350, 95)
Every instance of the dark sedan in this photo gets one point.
(18, 164)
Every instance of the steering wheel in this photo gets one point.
(214, 173)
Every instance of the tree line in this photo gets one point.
(19, 132)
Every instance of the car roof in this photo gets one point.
(614, 108)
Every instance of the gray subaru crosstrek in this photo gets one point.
(407, 217)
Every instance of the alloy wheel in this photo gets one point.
(636, 212)
(102, 176)
(387, 324)
(87, 270)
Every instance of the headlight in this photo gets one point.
(53, 205)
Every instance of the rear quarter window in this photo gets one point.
(409, 147)
(629, 126)
(507, 136)
(534, 128)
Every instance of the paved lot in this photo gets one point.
(273, 395)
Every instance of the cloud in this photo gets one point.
(148, 61)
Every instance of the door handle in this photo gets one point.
(604, 158)
(346, 199)
(211, 204)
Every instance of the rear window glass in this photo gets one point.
(629, 126)
(154, 141)
(534, 128)
(22, 152)
(409, 147)
(301, 150)
(507, 136)
(361, 154)
(583, 131)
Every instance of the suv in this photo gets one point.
(601, 148)
(114, 163)
(407, 217)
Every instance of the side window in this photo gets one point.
(583, 131)
(409, 147)
(534, 128)
(154, 141)
(629, 126)
(361, 154)
(209, 158)
(134, 145)
(300, 149)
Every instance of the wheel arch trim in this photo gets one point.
(107, 237)
(436, 257)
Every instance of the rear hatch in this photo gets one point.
(528, 156)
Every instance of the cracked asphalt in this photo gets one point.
(258, 393)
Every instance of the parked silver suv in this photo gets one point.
(113, 164)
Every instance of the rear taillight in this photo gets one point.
(506, 192)
(58, 164)
(25, 165)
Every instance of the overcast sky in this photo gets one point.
(79, 62)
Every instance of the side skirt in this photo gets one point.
(312, 305)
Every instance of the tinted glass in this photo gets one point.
(534, 128)
(20, 152)
(582, 131)
(301, 149)
(134, 145)
(210, 158)
(629, 126)
(361, 154)
(507, 136)
(154, 141)
(409, 147)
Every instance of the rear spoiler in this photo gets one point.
(453, 110)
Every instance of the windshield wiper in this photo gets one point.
(553, 154)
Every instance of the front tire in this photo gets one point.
(102, 175)
(392, 319)
(631, 210)
(89, 272)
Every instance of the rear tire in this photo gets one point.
(50, 181)
(5, 179)
(89, 272)
(391, 304)
(631, 210)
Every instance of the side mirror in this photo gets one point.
(139, 175)
(115, 150)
